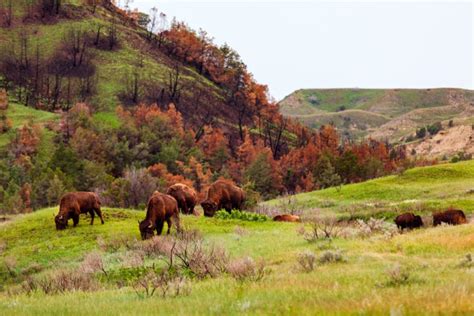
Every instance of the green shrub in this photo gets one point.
(241, 215)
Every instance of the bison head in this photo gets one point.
(209, 207)
(147, 229)
(61, 221)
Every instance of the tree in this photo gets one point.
(263, 173)
(55, 191)
(325, 174)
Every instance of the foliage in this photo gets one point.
(240, 215)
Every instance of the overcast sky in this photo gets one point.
(290, 45)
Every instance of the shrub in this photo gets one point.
(376, 226)
(11, 265)
(246, 269)
(321, 228)
(166, 283)
(397, 276)
(241, 215)
(466, 261)
(60, 281)
(307, 261)
(187, 252)
(331, 257)
(93, 263)
(115, 242)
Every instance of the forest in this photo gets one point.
(180, 129)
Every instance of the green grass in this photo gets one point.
(423, 189)
(358, 286)
(353, 287)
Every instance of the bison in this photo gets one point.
(287, 218)
(408, 220)
(223, 194)
(451, 216)
(185, 196)
(160, 208)
(75, 203)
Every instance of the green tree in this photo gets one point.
(55, 191)
(260, 173)
(325, 174)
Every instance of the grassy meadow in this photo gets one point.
(417, 272)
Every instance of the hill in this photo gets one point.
(122, 103)
(378, 272)
(392, 114)
(425, 189)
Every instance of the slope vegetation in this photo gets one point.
(362, 282)
(402, 110)
(425, 189)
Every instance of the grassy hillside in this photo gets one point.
(403, 109)
(20, 114)
(378, 273)
(359, 285)
(424, 189)
(114, 68)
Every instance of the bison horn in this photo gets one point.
(150, 226)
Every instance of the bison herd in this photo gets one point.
(222, 194)
(161, 207)
(450, 216)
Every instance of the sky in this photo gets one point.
(291, 45)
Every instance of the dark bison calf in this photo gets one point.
(408, 220)
(75, 203)
(223, 194)
(185, 196)
(286, 218)
(451, 217)
(161, 208)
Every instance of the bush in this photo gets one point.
(331, 257)
(321, 228)
(466, 262)
(61, 281)
(166, 283)
(241, 215)
(93, 263)
(397, 276)
(376, 226)
(307, 261)
(246, 269)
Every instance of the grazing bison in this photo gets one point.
(222, 194)
(75, 203)
(160, 208)
(408, 220)
(185, 196)
(451, 216)
(287, 218)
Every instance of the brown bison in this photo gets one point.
(160, 208)
(408, 220)
(75, 203)
(287, 218)
(185, 196)
(223, 194)
(451, 216)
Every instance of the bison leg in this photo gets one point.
(99, 213)
(159, 227)
(168, 221)
(75, 219)
(92, 216)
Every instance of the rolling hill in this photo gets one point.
(381, 114)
